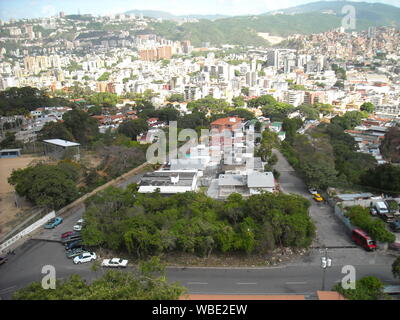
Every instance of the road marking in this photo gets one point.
(7, 289)
(245, 283)
(296, 282)
(197, 283)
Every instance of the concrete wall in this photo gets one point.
(27, 231)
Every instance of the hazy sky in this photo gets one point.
(42, 8)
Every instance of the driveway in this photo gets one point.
(330, 231)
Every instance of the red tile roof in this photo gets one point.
(226, 121)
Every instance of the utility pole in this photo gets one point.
(326, 262)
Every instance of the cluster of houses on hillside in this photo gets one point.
(369, 135)
(223, 164)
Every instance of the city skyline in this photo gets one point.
(45, 8)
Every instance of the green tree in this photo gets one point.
(47, 185)
(396, 268)
(245, 90)
(238, 102)
(132, 128)
(104, 99)
(389, 146)
(176, 97)
(384, 178)
(209, 104)
(349, 120)
(113, 285)
(360, 217)
(309, 112)
(367, 288)
(83, 127)
(242, 113)
(95, 111)
(55, 130)
(10, 142)
(104, 77)
(368, 107)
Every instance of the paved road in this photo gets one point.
(76, 214)
(330, 230)
(300, 277)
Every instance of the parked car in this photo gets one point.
(387, 217)
(79, 224)
(373, 211)
(394, 246)
(75, 252)
(313, 191)
(317, 197)
(363, 240)
(72, 238)
(114, 263)
(51, 224)
(73, 245)
(69, 234)
(3, 260)
(392, 206)
(85, 257)
(395, 226)
(381, 207)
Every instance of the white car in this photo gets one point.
(85, 257)
(313, 191)
(79, 224)
(114, 263)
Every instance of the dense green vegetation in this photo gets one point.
(53, 186)
(367, 288)
(327, 156)
(15, 101)
(176, 97)
(113, 285)
(55, 130)
(104, 77)
(389, 146)
(376, 228)
(149, 224)
(384, 178)
(78, 126)
(368, 107)
(104, 99)
(9, 141)
(396, 268)
(132, 128)
(242, 30)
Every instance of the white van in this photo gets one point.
(381, 208)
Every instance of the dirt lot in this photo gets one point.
(10, 215)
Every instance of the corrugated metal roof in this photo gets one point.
(62, 143)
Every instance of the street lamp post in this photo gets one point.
(326, 262)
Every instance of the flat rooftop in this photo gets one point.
(261, 180)
(169, 178)
(62, 143)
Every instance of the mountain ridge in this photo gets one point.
(157, 14)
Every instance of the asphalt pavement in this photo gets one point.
(330, 230)
(303, 275)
